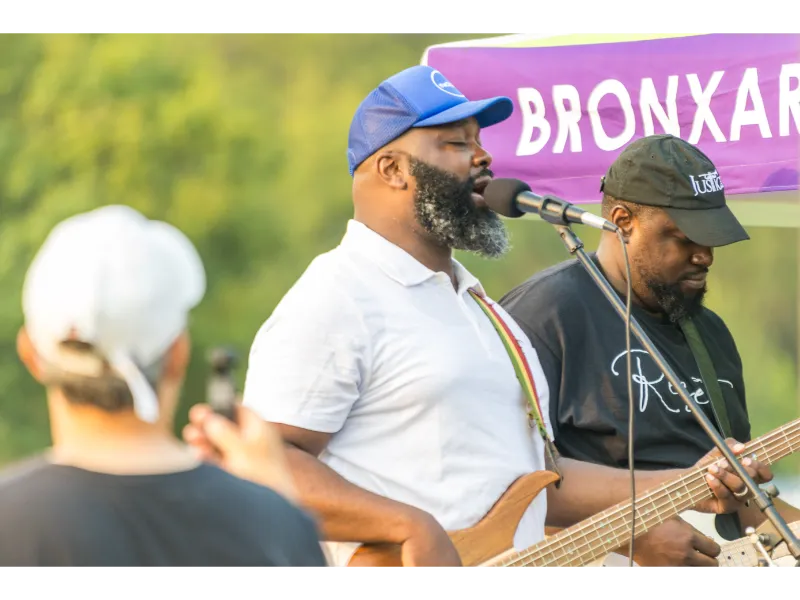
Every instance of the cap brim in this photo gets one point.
(488, 112)
(713, 227)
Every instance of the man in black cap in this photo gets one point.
(667, 198)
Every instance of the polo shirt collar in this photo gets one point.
(396, 262)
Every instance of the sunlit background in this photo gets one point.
(240, 142)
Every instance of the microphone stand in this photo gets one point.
(762, 500)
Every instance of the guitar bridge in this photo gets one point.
(765, 539)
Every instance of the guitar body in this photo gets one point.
(490, 537)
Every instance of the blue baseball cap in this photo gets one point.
(420, 96)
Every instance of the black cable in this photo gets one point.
(631, 408)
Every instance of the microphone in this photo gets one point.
(513, 198)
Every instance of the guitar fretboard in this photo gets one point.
(610, 529)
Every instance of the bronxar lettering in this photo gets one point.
(569, 110)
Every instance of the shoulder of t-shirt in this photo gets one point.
(271, 502)
(549, 281)
(23, 473)
(275, 510)
(548, 293)
(712, 317)
(716, 322)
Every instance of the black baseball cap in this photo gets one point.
(670, 173)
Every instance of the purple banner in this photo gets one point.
(736, 96)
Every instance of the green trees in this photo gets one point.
(240, 141)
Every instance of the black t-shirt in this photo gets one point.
(580, 340)
(55, 515)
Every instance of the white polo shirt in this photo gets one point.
(411, 378)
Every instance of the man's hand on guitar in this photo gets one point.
(730, 492)
(427, 544)
(675, 543)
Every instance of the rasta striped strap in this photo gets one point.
(519, 361)
(524, 375)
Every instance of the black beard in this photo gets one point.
(444, 208)
(674, 302)
(670, 298)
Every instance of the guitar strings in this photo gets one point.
(584, 530)
(691, 479)
(607, 515)
(692, 483)
(587, 547)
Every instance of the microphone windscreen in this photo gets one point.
(500, 196)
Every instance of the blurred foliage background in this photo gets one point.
(240, 141)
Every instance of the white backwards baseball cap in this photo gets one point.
(118, 281)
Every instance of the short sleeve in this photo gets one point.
(308, 360)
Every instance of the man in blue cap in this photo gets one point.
(418, 135)
(384, 367)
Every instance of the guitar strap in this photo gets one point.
(524, 375)
(729, 526)
(708, 374)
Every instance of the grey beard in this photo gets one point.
(444, 208)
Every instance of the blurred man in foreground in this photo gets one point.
(106, 303)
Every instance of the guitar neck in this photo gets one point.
(610, 529)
